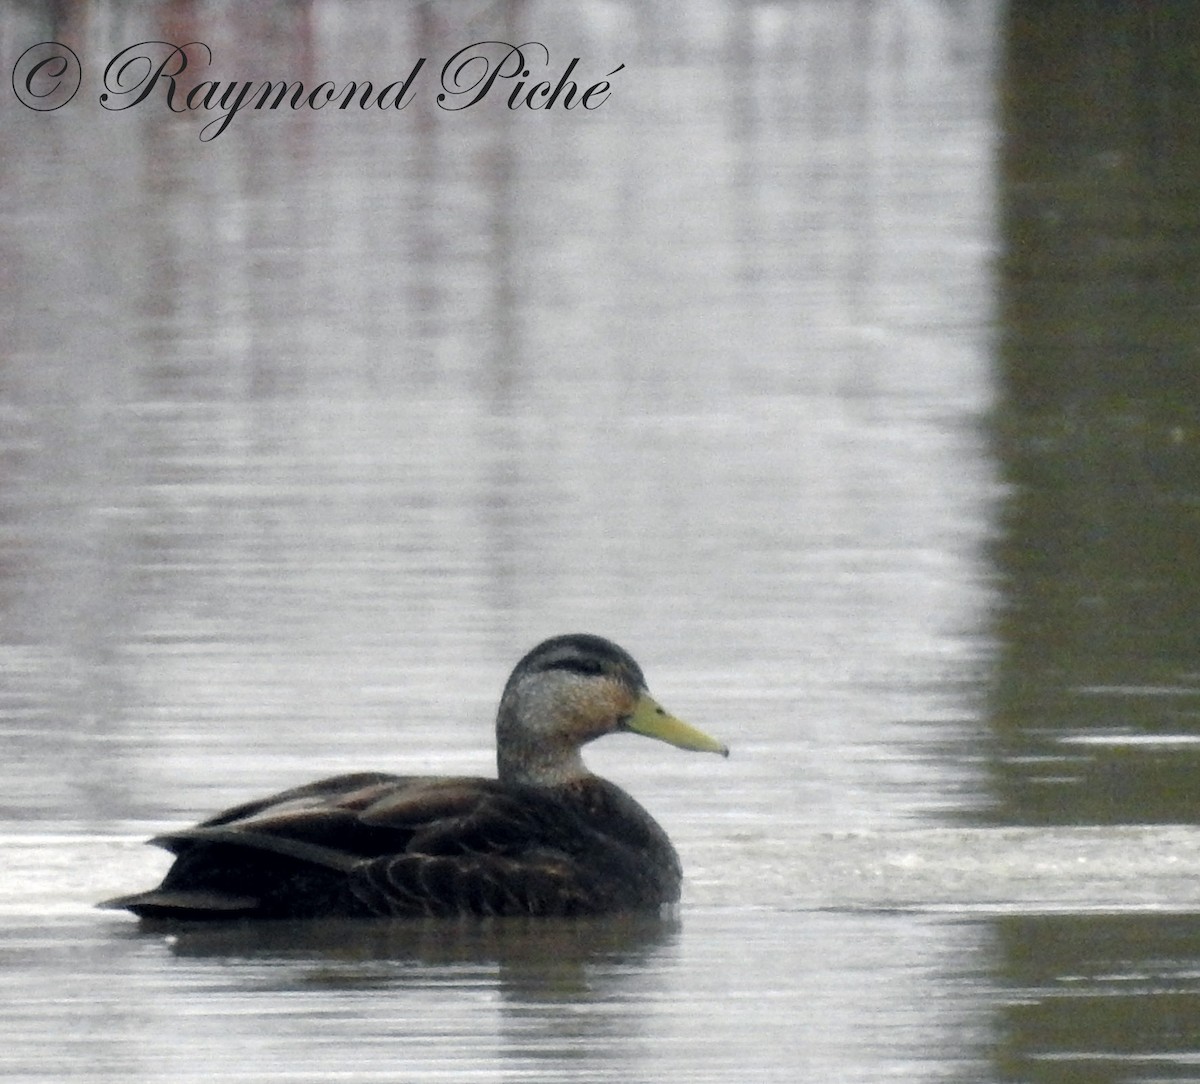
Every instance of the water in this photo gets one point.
(309, 431)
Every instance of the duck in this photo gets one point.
(545, 837)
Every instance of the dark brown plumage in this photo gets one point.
(545, 838)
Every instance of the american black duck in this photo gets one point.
(546, 837)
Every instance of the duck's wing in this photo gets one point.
(354, 790)
(477, 847)
(372, 844)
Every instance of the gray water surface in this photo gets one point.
(309, 431)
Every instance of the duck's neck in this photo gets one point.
(532, 751)
(541, 768)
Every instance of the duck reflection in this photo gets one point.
(524, 957)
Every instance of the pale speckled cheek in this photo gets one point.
(612, 699)
(598, 703)
(623, 701)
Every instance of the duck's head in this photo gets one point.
(571, 690)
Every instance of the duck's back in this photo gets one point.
(381, 845)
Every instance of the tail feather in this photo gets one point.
(183, 903)
(223, 872)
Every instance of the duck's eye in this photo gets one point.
(586, 667)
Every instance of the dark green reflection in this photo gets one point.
(1093, 999)
(1097, 702)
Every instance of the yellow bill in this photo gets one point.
(653, 721)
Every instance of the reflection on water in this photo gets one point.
(882, 997)
(1097, 704)
(1101, 998)
(514, 943)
